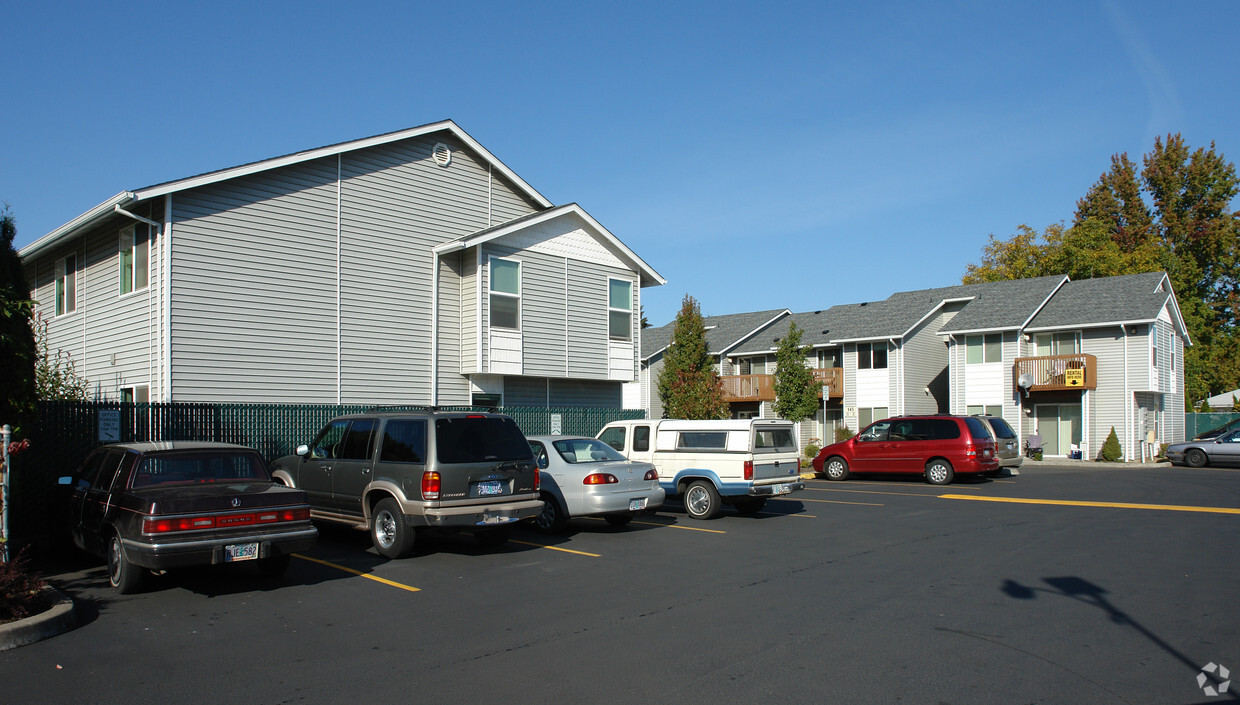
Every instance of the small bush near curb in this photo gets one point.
(21, 590)
(1110, 449)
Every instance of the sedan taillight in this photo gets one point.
(600, 478)
(430, 485)
(166, 525)
(651, 474)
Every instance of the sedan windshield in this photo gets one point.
(586, 450)
(200, 467)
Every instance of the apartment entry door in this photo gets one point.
(1060, 427)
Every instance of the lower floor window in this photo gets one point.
(136, 394)
(988, 410)
(867, 416)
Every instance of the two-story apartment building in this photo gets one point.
(412, 267)
(1060, 359)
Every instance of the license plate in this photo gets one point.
(784, 488)
(240, 552)
(636, 505)
(494, 519)
(486, 489)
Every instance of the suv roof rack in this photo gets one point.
(400, 407)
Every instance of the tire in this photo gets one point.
(836, 468)
(702, 500)
(273, 566)
(492, 537)
(124, 576)
(618, 520)
(749, 507)
(1195, 458)
(939, 472)
(391, 535)
(553, 518)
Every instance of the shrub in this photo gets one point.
(843, 433)
(811, 450)
(1110, 449)
(21, 590)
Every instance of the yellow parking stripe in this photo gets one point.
(555, 548)
(1111, 505)
(905, 494)
(677, 526)
(368, 576)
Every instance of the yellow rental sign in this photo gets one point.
(1074, 377)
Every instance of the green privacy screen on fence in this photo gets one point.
(66, 431)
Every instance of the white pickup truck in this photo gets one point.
(711, 463)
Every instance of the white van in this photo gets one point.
(708, 464)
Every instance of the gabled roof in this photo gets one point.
(649, 277)
(1004, 305)
(1110, 301)
(124, 198)
(722, 332)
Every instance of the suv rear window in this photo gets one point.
(977, 429)
(479, 439)
(1001, 427)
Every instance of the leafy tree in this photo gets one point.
(1205, 407)
(17, 346)
(1174, 216)
(796, 393)
(689, 387)
(55, 375)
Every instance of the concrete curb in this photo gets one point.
(59, 619)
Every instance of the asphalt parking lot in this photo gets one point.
(1080, 584)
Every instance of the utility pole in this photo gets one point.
(6, 434)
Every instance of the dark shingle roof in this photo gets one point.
(722, 332)
(1090, 302)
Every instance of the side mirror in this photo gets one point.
(64, 480)
(542, 463)
(303, 450)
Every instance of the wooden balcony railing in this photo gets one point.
(762, 387)
(1052, 373)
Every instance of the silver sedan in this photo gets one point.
(1224, 450)
(586, 477)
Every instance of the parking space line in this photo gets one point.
(1108, 505)
(905, 494)
(840, 501)
(555, 548)
(368, 576)
(677, 526)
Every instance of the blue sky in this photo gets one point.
(758, 155)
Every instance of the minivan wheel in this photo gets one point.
(124, 576)
(702, 500)
(939, 472)
(392, 537)
(836, 468)
(552, 519)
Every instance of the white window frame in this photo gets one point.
(611, 309)
(66, 285)
(492, 293)
(980, 342)
(133, 393)
(127, 246)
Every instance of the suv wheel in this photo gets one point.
(702, 500)
(939, 472)
(392, 537)
(836, 468)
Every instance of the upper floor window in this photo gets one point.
(1058, 344)
(757, 365)
(66, 285)
(619, 309)
(872, 356)
(134, 258)
(828, 358)
(505, 293)
(983, 348)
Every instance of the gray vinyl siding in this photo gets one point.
(525, 391)
(543, 321)
(1105, 406)
(454, 389)
(925, 360)
(468, 297)
(254, 288)
(587, 319)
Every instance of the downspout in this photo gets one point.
(1127, 400)
(435, 329)
(339, 385)
(166, 303)
(951, 374)
(899, 375)
(150, 300)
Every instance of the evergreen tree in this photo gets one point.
(1111, 450)
(796, 393)
(17, 347)
(689, 386)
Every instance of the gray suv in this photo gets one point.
(395, 473)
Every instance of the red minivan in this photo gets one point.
(939, 447)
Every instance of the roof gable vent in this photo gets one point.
(441, 154)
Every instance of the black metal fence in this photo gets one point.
(66, 431)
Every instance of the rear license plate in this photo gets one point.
(240, 552)
(783, 488)
(486, 489)
(494, 519)
(636, 505)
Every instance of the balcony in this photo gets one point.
(1053, 373)
(762, 387)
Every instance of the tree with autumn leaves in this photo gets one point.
(1174, 215)
(689, 386)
